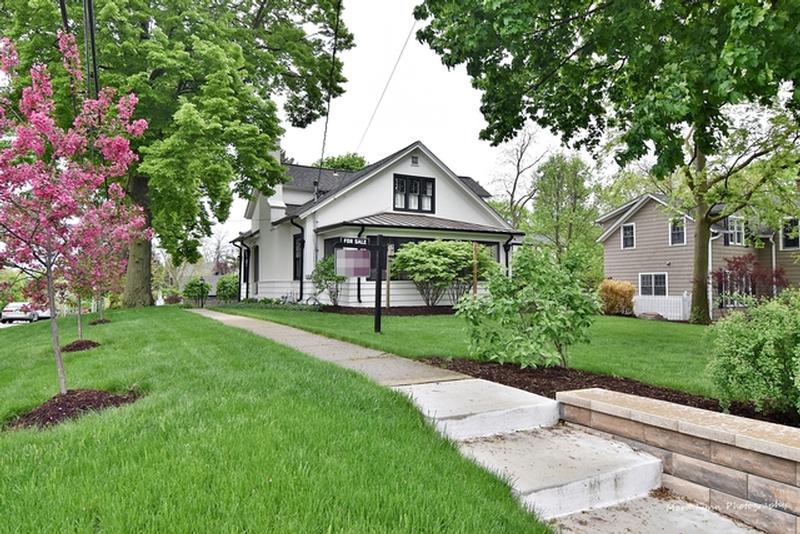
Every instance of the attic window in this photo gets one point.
(415, 161)
(412, 193)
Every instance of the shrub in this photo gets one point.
(173, 299)
(228, 287)
(437, 267)
(756, 354)
(325, 279)
(197, 290)
(617, 297)
(532, 317)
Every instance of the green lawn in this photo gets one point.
(234, 434)
(666, 354)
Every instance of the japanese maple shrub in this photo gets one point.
(532, 317)
(756, 354)
(50, 176)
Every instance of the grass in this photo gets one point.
(234, 434)
(667, 354)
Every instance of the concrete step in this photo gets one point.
(652, 514)
(561, 470)
(462, 409)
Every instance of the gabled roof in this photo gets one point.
(422, 222)
(348, 180)
(624, 212)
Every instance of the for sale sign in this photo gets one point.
(353, 262)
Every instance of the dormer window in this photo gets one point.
(413, 193)
(415, 161)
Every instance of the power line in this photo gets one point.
(328, 99)
(385, 87)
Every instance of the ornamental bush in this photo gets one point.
(438, 267)
(197, 290)
(532, 317)
(617, 297)
(326, 280)
(228, 288)
(756, 354)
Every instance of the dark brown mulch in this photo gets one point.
(399, 311)
(548, 380)
(98, 321)
(81, 344)
(69, 406)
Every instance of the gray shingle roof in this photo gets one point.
(422, 222)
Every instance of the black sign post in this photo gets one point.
(378, 248)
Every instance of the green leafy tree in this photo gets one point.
(532, 317)
(326, 280)
(228, 287)
(563, 211)
(668, 78)
(437, 267)
(196, 289)
(12, 282)
(207, 75)
(346, 162)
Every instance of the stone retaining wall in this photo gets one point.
(740, 467)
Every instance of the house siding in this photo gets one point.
(652, 253)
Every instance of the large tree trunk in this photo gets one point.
(702, 233)
(139, 274)
(51, 298)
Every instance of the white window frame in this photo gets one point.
(666, 284)
(783, 226)
(622, 236)
(669, 234)
(733, 222)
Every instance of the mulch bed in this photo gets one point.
(69, 406)
(548, 380)
(399, 310)
(98, 321)
(81, 344)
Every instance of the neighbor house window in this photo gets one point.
(736, 231)
(628, 235)
(412, 193)
(653, 284)
(677, 231)
(790, 239)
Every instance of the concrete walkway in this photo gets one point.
(583, 482)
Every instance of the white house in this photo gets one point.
(410, 195)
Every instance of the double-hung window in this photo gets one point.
(736, 231)
(790, 238)
(628, 236)
(413, 193)
(653, 284)
(677, 231)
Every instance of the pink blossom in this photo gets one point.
(69, 53)
(8, 55)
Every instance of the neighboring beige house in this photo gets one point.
(651, 245)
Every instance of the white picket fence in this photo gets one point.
(674, 308)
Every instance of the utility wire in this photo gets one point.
(328, 99)
(385, 87)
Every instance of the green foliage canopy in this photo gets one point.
(532, 317)
(345, 162)
(207, 75)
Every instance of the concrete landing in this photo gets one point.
(652, 515)
(463, 409)
(560, 470)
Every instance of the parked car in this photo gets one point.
(22, 311)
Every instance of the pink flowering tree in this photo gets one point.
(97, 259)
(51, 177)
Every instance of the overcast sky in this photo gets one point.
(425, 102)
